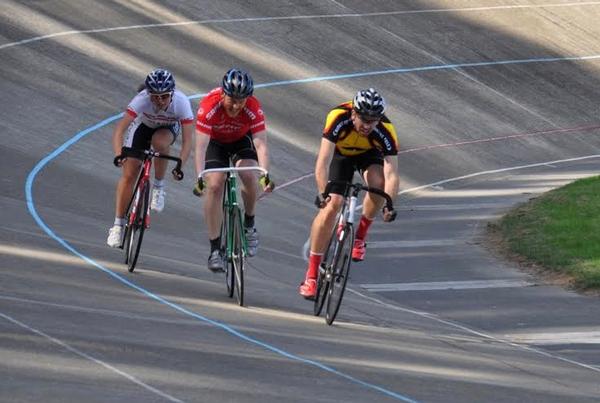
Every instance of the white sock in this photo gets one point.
(158, 183)
(119, 221)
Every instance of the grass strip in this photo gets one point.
(560, 231)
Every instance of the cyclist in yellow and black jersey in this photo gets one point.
(339, 129)
(357, 137)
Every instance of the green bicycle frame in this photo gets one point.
(230, 206)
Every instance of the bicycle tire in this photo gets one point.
(340, 272)
(138, 227)
(127, 238)
(324, 274)
(229, 275)
(322, 288)
(237, 254)
(129, 225)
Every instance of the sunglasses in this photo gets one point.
(369, 119)
(160, 96)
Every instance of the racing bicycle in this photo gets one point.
(138, 209)
(233, 238)
(335, 267)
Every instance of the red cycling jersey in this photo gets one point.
(213, 121)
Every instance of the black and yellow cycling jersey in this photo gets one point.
(340, 130)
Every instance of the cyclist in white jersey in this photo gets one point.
(154, 119)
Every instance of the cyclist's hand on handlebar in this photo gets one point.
(177, 174)
(321, 201)
(199, 187)
(388, 215)
(118, 160)
(267, 184)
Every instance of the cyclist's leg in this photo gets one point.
(216, 157)
(125, 185)
(371, 167)
(340, 170)
(244, 155)
(137, 137)
(161, 142)
(162, 139)
(213, 203)
(372, 170)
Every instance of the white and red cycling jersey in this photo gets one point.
(144, 111)
(214, 121)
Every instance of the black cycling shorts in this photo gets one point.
(140, 136)
(218, 154)
(342, 167)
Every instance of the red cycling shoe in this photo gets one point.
(359, 250)
(308, 289)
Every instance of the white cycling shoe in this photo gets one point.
(158, 199)
(115, 236)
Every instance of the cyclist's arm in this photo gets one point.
(187, 130)
(390, 173)
(202, 141)
(262, 150)
(117, 138)
(323, 161)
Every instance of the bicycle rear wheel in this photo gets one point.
(340, 271)
(237, 254)
(137, 228)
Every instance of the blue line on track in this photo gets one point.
(32, 210)
(40, 165)
(420, 69)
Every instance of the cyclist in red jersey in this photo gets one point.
(357, 137)
(230, 124)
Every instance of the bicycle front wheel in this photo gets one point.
(237, 254)
(324, 273)
(340, 272)
(322, 288)
(225, 234)
(137, 228)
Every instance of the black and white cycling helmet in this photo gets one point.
(160, 81)
(237, 83)
(369, 103)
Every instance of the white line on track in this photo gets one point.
(556, 338)
(89, 357)
(437, 183)
(445, 285)
(107, 312)
(418, 243)
(297, 17)
(305, 248)
(472, 331)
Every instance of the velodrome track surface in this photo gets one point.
(494, 102)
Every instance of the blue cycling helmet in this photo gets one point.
(159, 81)
(237, 83)
(369, 103)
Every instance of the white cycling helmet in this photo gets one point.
(369, 103)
